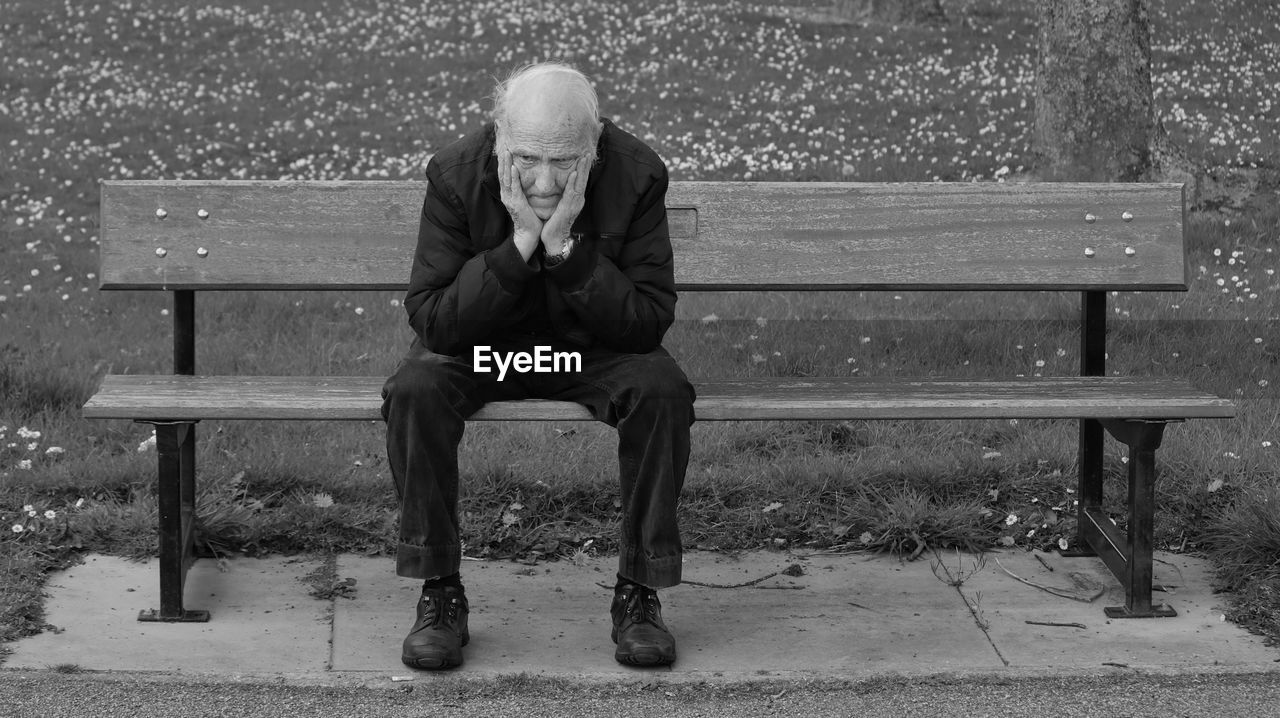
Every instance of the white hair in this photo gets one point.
(584, 105)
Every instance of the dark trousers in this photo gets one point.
(645, 396)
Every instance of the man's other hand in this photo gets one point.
(556, 230)
(528, 228)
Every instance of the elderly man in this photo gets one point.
(543, 234)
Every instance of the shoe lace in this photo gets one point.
(643, 606)
(433, 614)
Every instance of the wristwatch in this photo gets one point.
(552, 260)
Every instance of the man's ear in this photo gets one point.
(499, 137)
(596, 130)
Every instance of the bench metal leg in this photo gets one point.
(1089, 486)
(175, 493)
(1093, 362)
(1130, 556)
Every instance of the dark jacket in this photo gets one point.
(469, 284)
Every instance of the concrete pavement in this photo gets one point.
(760, 615)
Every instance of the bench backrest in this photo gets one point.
(190, 235)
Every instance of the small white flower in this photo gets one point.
(1011, 519)
(51, 514)
(17, 528)
(1063, 544)
(28, 508)
(54, 450)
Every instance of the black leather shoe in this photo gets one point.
(642, 637)
(435, 642)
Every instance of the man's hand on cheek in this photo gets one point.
(528, 228)
(556, 230)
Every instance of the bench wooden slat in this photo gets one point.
(166, 397)
(744, 235)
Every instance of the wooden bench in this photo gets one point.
(189, 236)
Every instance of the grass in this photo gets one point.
(723, 90)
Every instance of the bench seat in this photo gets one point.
(194, 398)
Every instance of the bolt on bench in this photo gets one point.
(190, 236)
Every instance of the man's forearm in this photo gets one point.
(526, 243)
(628, 312)
(481, 299)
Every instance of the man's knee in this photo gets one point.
(424, 380)
(656, 379)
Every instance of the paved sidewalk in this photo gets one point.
(814, 616)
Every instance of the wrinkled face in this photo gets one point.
(545, 142)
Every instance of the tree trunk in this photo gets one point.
(908, 11)
(1095, 119)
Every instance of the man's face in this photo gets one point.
(544, 146)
